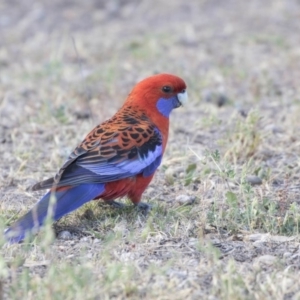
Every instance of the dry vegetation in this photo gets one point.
(225, 217)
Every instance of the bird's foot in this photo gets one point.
(144, 207)
(116, 204)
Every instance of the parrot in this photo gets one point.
(117, 159)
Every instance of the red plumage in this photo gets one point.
(132, 187)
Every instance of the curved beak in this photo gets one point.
(182, 97)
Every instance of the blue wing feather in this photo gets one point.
(109, 162)
(148, 171)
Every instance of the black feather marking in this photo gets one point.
(116, 147)
(100, 130)
(130, 120)
(150, 145)
(134, 135)
(125, 140)
(105, 148)
(133, 152)
(108, 133)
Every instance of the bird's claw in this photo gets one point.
(116, 204)
(144, 207)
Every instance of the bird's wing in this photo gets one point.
(112, 151)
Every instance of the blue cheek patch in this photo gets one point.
(165, 106)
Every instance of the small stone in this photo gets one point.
(295, 256)
(193, 242)
(243, 112)
(83, 114)
(281, 238)
(171, 173)
(256, 237)
(275, 129)
(258, 244)
(267, 259)
(174, 171)
(150, 190)
(185, 199)
(277, 182)
(215, 97)
(64, 235)
(253, 180)
(181, 175)
(287, 255)
(266, 153)
(177, 273)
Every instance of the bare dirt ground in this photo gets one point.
(225, 217)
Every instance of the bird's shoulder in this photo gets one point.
(127, 129)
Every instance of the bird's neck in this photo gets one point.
(162, 123)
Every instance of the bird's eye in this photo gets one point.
(167, 89)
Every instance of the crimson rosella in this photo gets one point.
(117, 158)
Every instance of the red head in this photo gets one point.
(159, 94)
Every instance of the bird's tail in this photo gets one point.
(67, 199)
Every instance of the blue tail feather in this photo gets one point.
(66, 201)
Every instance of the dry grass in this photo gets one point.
(66, 66)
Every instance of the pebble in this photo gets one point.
(193, 242)
(65, 235)
(263, 237)
(258, 244)
(171, 173)
(83, 114)
(150, 190)
(185, 199)
(281, 238)
(181, 175)
(215, 97)
(174, 171)
(255, 237)
(295, 256)
(84, 239)
(177, 273)
(267, 259)
(287, 255)
(275, 129)
(253, 180)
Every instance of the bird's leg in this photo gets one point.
(116, 204)
(144, 207)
